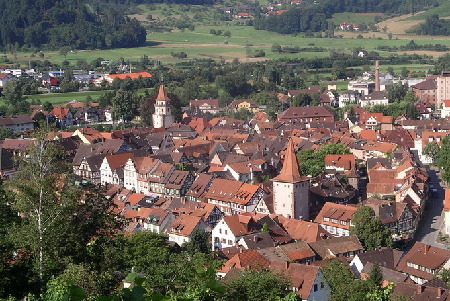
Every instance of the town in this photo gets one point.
(284, 195)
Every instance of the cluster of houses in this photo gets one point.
(211, 174)
(52, 79)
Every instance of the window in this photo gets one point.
(220, 231)
(322, 285)
(230, 242)
(326, 219)
(226, 232)
(316, 287)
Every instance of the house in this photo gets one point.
(301, 230)
(336, 218)
(209, 213)
(183, 226)
(17, 123)
(418, 292)
(374, 98)
(210, 106)
(89, 135)
(342, 164)
(423, 262)
(157, 178)
(181, 131)
(373, 121)
(445, 110)
(244, 171)
(306, 280)
(363, 88)
(4, 78)
(156, 220)
(112, 168)
(248, 259)
(398, 217)
(447, 212)
(178, 183)
(230, 229)
(63, 116)
(345, 246)
(89, 168)
(387, 258)
(132, 75)
(233, 197)
(243, 104)
(199, 187)
(8, 164)
(305, 115)
(348, 97)
(426, 90)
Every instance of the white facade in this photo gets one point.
(108, 176)
(162, 118)
(320, 290)
(291, 199)
(222, 237)
(348, 97)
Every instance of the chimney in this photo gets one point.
(420, 289)
(439, 292)
(377, 75)
(426, 249)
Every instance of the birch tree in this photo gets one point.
(42, 202)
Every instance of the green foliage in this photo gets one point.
(375, 275)
(199, 242)
(125, 105)
(397, 92)
(434, 26)
(313, 162)
(344, 287)
(432, 150)
(443, 160)
(67, 23)
(256, 285)
(369, 229)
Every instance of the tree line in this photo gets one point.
(434, 26)
(58, 23)
(314, 17)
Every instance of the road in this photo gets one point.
(432, 219)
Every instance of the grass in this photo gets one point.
(201, 44)
(60, 98)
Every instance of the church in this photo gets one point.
(162, 118)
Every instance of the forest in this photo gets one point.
(56, 23)
(314, 17)
(434, 26)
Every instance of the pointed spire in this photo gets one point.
(162, 94)
(290, 172)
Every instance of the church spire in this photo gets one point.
(162, 94)
(290, 172)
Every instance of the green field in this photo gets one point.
(60, 98)
(201, 44)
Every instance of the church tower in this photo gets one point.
(162, 118)
(290, 188)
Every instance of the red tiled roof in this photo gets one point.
(132, 75)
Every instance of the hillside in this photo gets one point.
(73, 23)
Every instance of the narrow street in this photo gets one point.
(432, 219)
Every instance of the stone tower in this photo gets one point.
(290, 188)
(162, 118)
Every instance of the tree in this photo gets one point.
(47, 106)
(432, 150)
(369, 229)
(344, 287)
(125, 105)
(256, 285)
(375, 275)
(313, 162)
(443, 160)
(397, 92)
(12, 92)
(198, 242)
(64, 51)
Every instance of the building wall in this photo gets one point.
(291, 199)
(443, 90)
(320, 289)
(222, 237)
